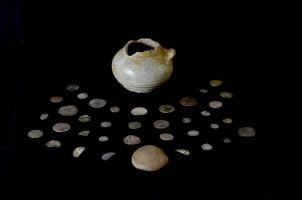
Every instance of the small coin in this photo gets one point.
(205, 113)
(106, 124)
(61, 127)
(215, 104)
(82, 95)
(35, 134)
(84, 133)
(132, 140)
(206, 147)
(204, 91)
(186, 120)
(53, 144)
(134, 125)
(166, 136)
(227, 140)
(139, 111)
(107, 156)
(44, 116)
(103, 138)
(161, 124)
(183, 151)
(246, 132)
(114, 109)
(214, 126)
(227, 120)
(84, 118)
(166, 108)
(193, 133)
(78, 151)
(226, 95)
(215, 83)
(68, 110)
(56, 99)
(188, 101)
(97, 103)
(72, 87)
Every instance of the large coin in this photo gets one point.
(68, 110)
(35, 134)
(161, 124)
(139, 111)
(166, 108)
(61, 127)
(188, 101)
(97, 103)
(246, 132)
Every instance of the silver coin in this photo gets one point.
(78, 151)
(84, 118)
(166, 136)
(68, 110)
(186, 120)
(226, 95)
(246, 132)
(84, 133)
(193, 133)
(139, 111)
(61, 127)
(106, 124)
(215, 82)
(114, 109)
(215, 104)
(227, 120)
(103, 138)
(97, 103)
(183, 151)
(134, 125)
(107, 156)
(53, 144)
(204, 91)
(227, 140)
(35, 134)
(132, 140)
(82, 95)
(205, 113)
(214, 126)
(72, 87)
(206, 147)
(44, 116)
(166, 108)
(161, 124)
(56, 99)
(188, 101)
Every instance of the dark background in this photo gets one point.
(254, 53)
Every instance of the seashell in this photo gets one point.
(143, 71)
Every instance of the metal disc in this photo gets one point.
(166, 136)
(132, 140)
(68, 110)
(188, 101)
(205, 113)
(134, 125)
(203, 91)
(72, 87)
(227, 120)
(206, 147)
(97, 103)
(183, 151)
(103, 138)
(78, 151)
(35, 134)
(214, 126)
(61, 127)
(193, 133)
(107, 156)
(56, 99)
(186, 120)
(161, 124)
(114, 109)
(139, 111)
(84, 118)
(166, 108)
(44, 116)
(246, 132)
(53, 144)
(215, 104)
(226, 95)
(82, 95)
(215, 83)
(84, 133)
(106, 124)
(227, 140)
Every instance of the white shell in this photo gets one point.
(143, 71)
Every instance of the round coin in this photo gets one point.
(131, 140)
(166, 108)
(203, 91)
(84, 118)
(106, 124)
(134, 125)
(193, 133)
(226, 95)
(214, 126)
(215, 104)
(205, 113)
(186, 120)
(215, 83)
(56, 99)
(188, 101)
(161, 124)
(227, 140)
(82, 95)
(227, 120)
(97, 103)
(206, 147)
(68, 110)
(166, 136)
(44, 116)
(114, 109)
(139, 111)
(103, 138)
(34, 134)
(246, 132)
(72, 87)
(61, 127)
(53, 144)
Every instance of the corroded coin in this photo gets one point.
(97, 103)
(227, 140)
(215, 83)
(132, 140)
(53, 144)
(134, 125)
(56, 99)
(183, 151)
(84, 133)
(186, 120)
(166, 108)
(214, 126)
(44, 116)
(78, 151)
(84, 118)
(226, 95)
(72, 87)
(68, 110)
(139, 111)
(166, 136)
(246, 132)
(205, 113)
(161, 124)
(106, 124)
(103, 138)
(61, 127)
(206, 147)
(35, 134)
(114, 109)
(227, 120)
(203, 91)
(107, 156)
(193, 133)
(82, 95)
(188, 101)
(215, 104)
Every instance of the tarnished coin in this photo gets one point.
(134, 125)
(78, 151)
(183, 151)
(84, 118)
(166, 136)
(227, 120)
(227, 140)
(214, 126)
(206, 147)
(188, 101)
(103, 138)
(205, 113)
(132, 140)
(114, 109)
(106, 124)
(215, 104)
(107, 156)
(166, 108)
(68, 110)
(82, 95)
(53, 144)
(84, 133)
(35, 134)
(56, 99)
(193, 133)
(215, 83)
(97, 103)
(226, 95)
(72, 87)
(186, 120)
(246, 132)
(139, 111)
(203, 91)
(61, 127)
(44, 116)
(161, 124)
